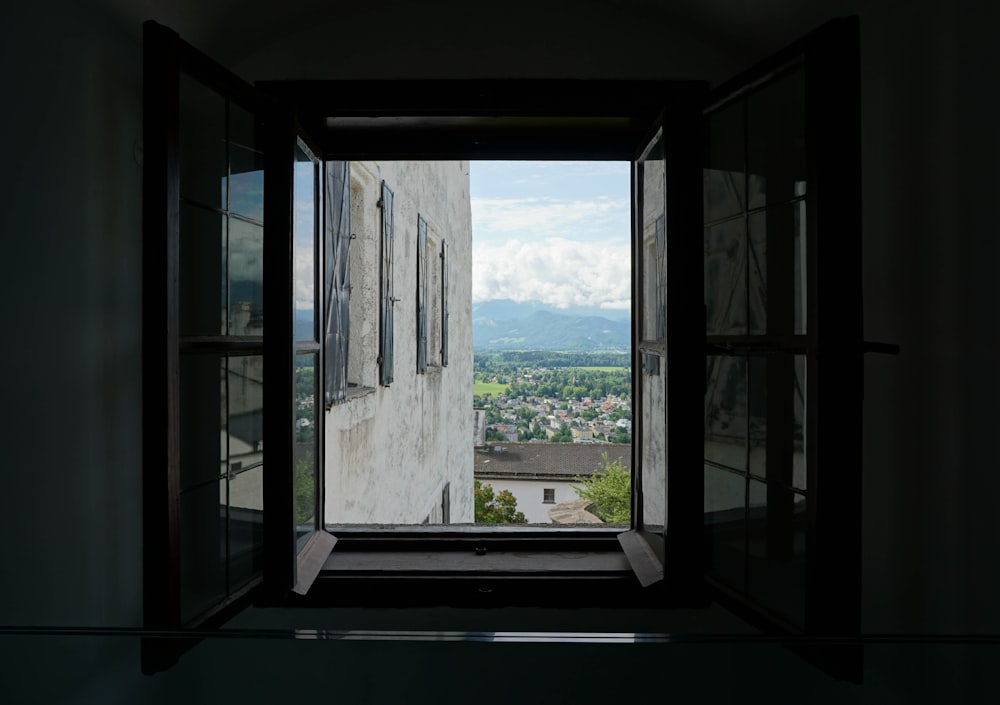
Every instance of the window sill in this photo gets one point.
(351, 394)
(480, 566)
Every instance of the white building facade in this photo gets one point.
(397, 444)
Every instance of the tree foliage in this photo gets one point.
(609, 491)
(496, 508)
(305, 490)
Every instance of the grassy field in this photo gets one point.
(493, 388)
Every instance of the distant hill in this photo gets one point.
(545, 330)
(507, 310)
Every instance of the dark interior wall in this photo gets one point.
(70, 267)
(930, 151)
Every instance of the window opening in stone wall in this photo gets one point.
(536, 285)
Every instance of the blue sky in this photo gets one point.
(555, 232)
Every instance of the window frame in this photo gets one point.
(501, 119)
(637, 110)
(833, 128)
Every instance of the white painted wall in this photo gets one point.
(529, 496)
(390, 451)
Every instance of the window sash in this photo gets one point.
(388, 298)
(338, 240)
(422, 285)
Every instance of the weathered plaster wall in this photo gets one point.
(391, 450)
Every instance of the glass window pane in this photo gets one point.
(652, 174)
(654, 452)
(726, 411)
(246, 183)
(724, 177)
(306, 444)
(202, 272)
(777, 542)
(799, 267)
(202, 430)
(725, 278)
(776, 404)
(757, 442)
(246, 278)
(799, 423)
(776, 148)
(202, 144)
(202, 548)
(757, 283)
(304, 244)
(776, 270)
(246, 523)
(725, 525)
(243, 127)
(245, 386)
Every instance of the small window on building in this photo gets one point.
(388, 295)
(431, 291)
(549, 495)
(362, 349)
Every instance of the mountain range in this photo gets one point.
(503, 324)
(509, 325)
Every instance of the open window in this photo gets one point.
(223, 254)
(746, 336)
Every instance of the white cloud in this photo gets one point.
(303, 274)
(555, 271)
(595, 219)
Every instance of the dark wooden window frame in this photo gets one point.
(595, 120)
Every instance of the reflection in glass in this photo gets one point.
(246, 409)
(776, 405)
(725, 279)
(776, 153)
(654, 452)
(776, 530)
(202, 271)
(799, 276)
(246, 183)
(725, 525)
(757, 262)
(305, 188)
(726, 411)
(202, 144)
(651, 176)
(776, 270)
(246, 278)
(757, 368)
(242, 128)
(723, 176)
(306, 443)
(799, 423)
(246, 523)
(203, 441)
(202, 548)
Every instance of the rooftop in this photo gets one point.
(546, 461)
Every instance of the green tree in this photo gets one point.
(305, 489)
(563, 435)
(609, 490)
(496, 508)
